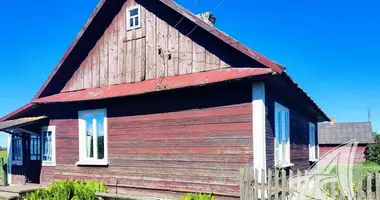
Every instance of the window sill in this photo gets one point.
(92, 163)
(286, 165)
(313, 160)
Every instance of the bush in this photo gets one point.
(372, 153)
(198, 196)
(69, 190)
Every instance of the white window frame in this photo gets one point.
(313, 146)
(17, 162)
(83, 159)
(128, 17)
(282, 148)
(52, 130)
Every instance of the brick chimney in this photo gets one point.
(332, 120)
(208, 17)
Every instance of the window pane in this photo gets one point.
(89, 137)
(47, 146)
(133, 12)
(131, 22)
(136, 21)
(100, 134)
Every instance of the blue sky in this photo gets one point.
(331, 48)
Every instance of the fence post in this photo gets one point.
(256, 194)
(283, 183)
(242, 183)
(369, 185)
(360, 186)
(250, 188)
(269, 184)
(377, 186)
(276, 184)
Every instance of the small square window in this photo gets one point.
(133, 17)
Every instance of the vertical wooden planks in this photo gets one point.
(369, 185)
(121, 45)
(95, 71)
(256, 184)
(377, 186)
(276, 184)
(199, 58)
(270, 184)
(131, 51)
(263, 182)
(138, 59)
(103, 50)
(212, 61)
(173, 46)
(185, 64)
(162, 42)
(87, 72)
(151, 49)
(242, 183)
(283, 184)
(360, 186)
(113, 56)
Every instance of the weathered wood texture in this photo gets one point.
(359, 154)
(122, 56)
(304, 185)
(299, 130)
(165, 140)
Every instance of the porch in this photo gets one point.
(24, 154)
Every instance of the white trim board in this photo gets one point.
(258, 126)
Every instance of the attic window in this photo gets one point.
(133, 17)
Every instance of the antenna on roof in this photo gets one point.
(369, 115)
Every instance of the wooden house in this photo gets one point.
(331, 135)
(150, 97)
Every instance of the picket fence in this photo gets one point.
(276, 186)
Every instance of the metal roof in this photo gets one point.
(19, 122)
(160, 84)
(339, 133)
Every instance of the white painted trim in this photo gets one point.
(9, 149)
(52, 130)
(83, 160)
(258, 126)
(128, 27)
(282, 149)
(313, 148)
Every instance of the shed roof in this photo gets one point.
(339, 133)
(19, 122)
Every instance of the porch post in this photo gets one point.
(9, 164)
(258, 127)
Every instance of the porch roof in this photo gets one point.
(15, 123)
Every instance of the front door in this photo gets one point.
(34, 159)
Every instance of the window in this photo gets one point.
(16, 150)
(282, 136)
(313, 151)
(48, 146)
(93, 137)
(35, 147)
(133, 17)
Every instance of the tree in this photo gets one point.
(372, 153)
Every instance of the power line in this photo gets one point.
(220, 3)
(183, 17)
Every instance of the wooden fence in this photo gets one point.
(277, 185)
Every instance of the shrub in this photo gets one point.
(372, 153)
(69, 190)
(198, 196)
